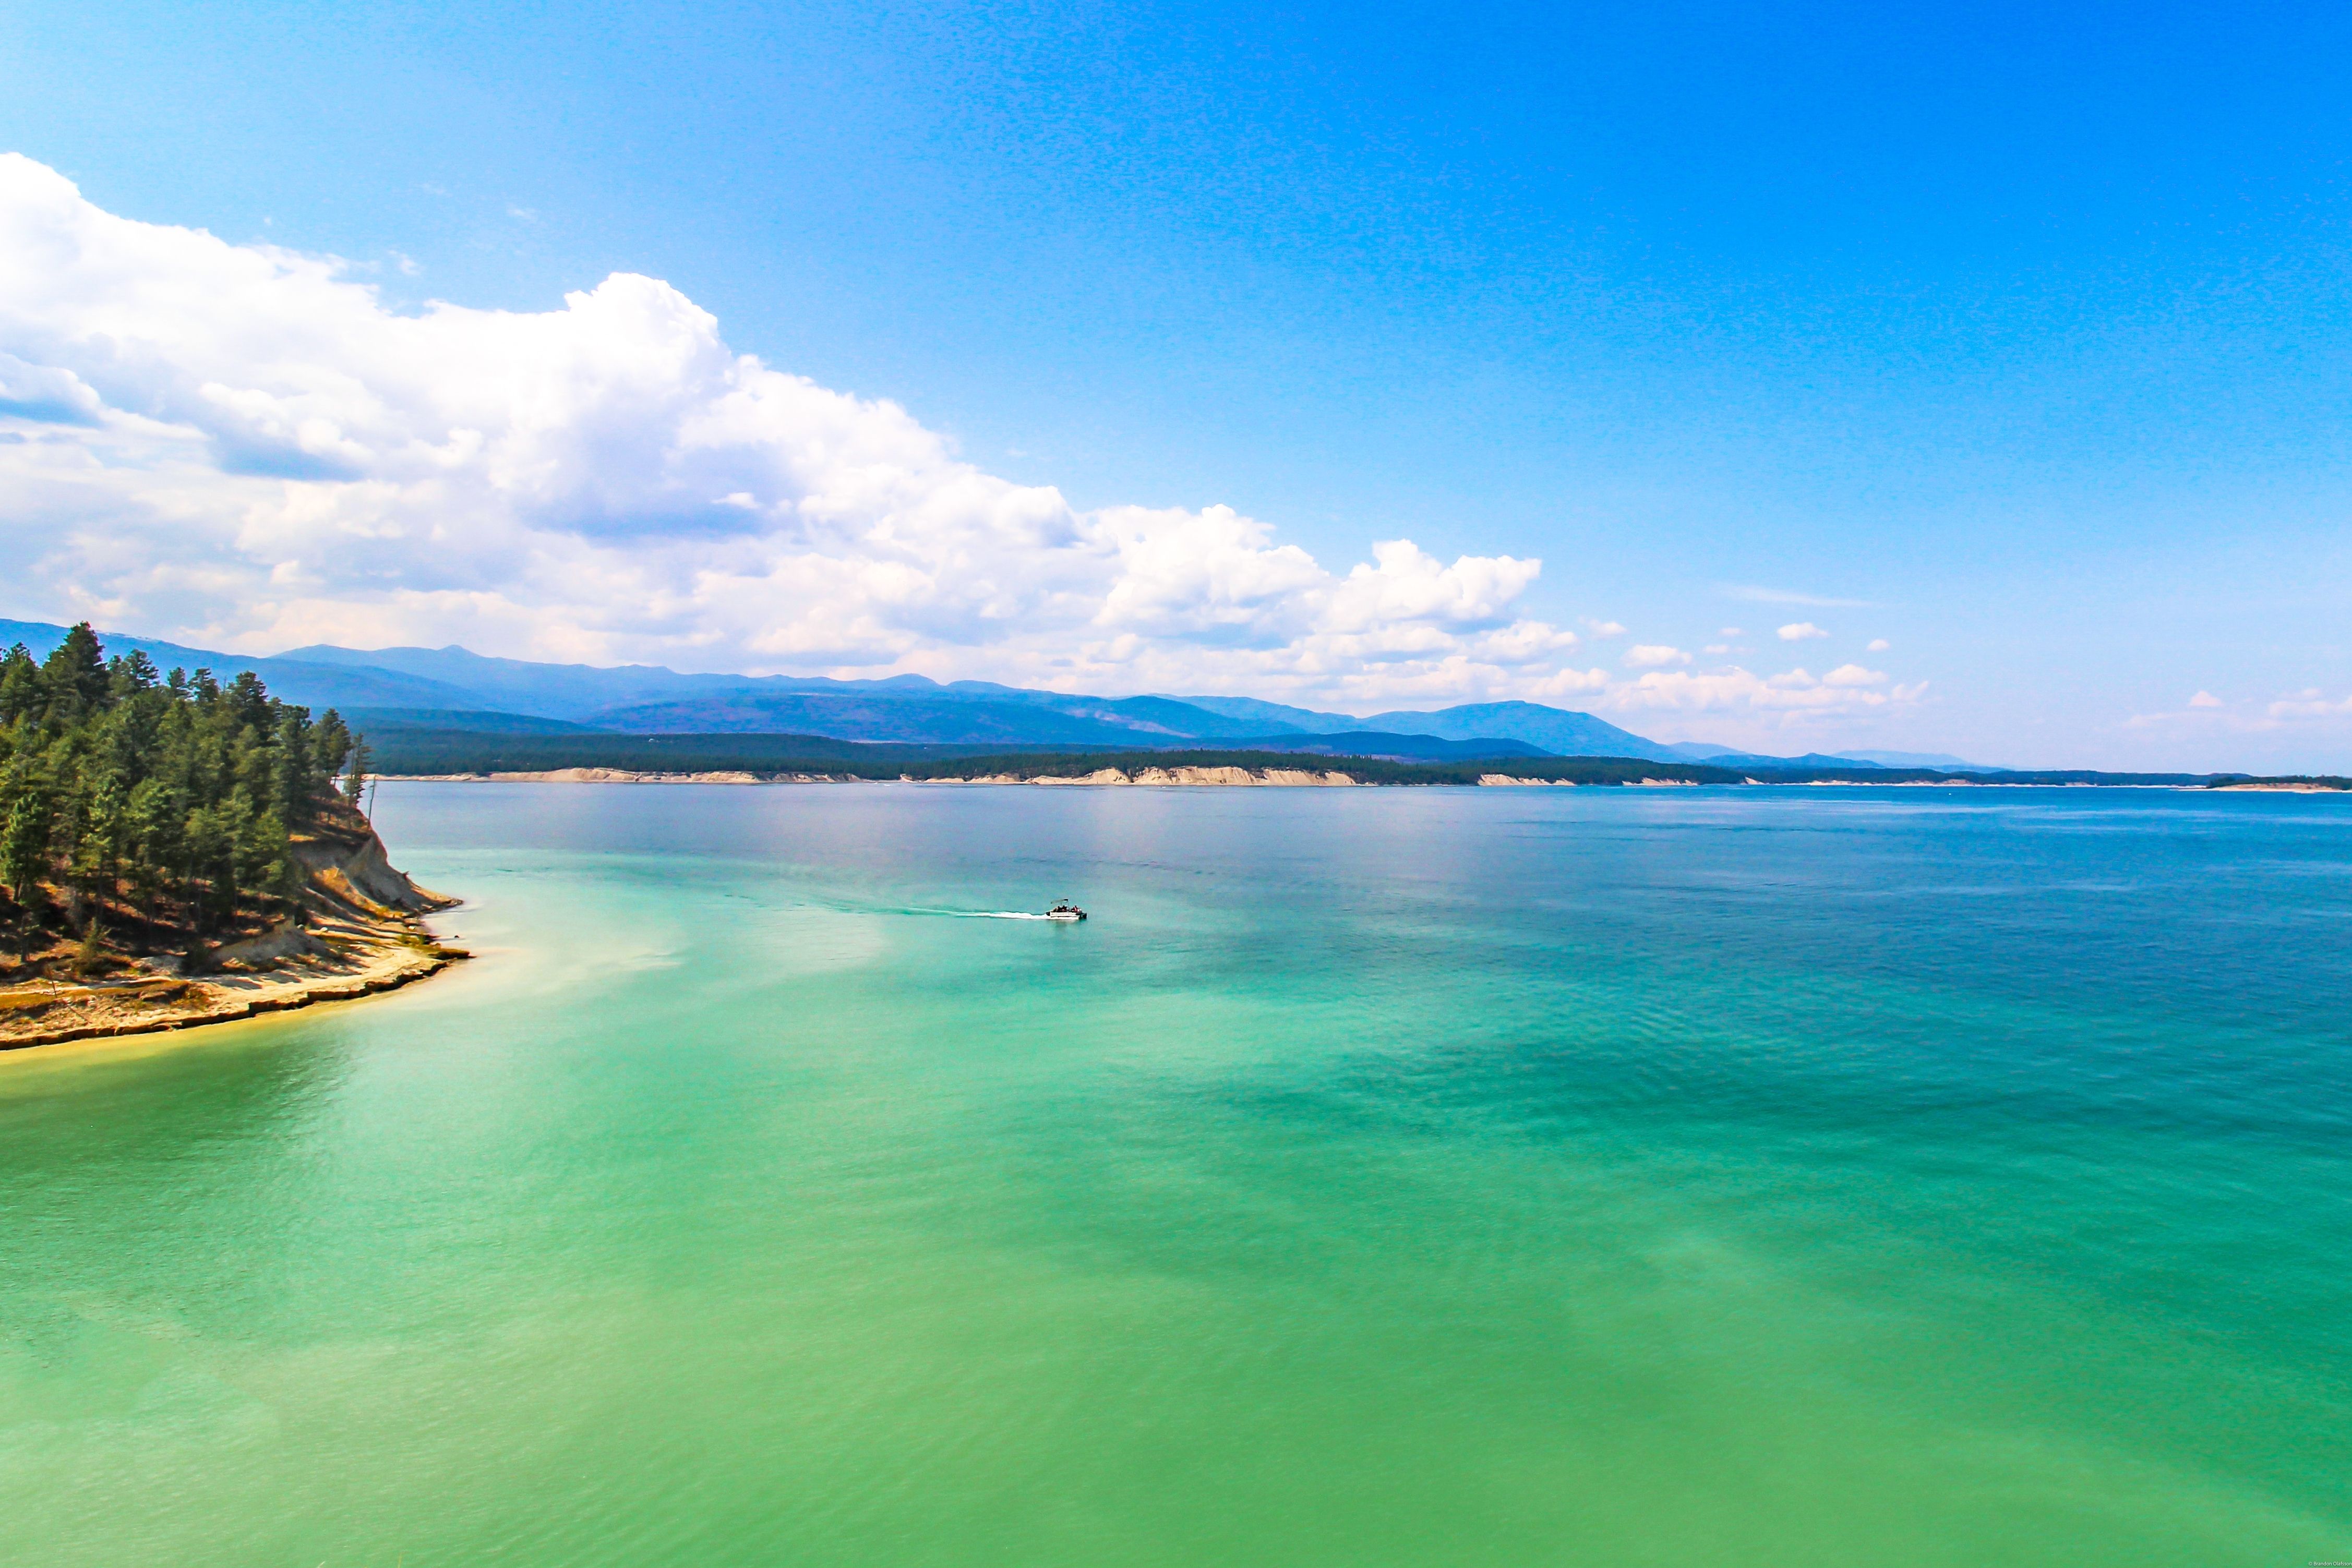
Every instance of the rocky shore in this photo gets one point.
(362, 932)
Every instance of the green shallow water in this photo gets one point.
(1394, 1176)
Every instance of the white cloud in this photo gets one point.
(1877, 645)
(1649, 656)
(242, 446)
(1756, 595)
(1730, 632)
(1794, 693)
(1604, 629)
(2309, 702)
(2206, 712)
(1570, 683)
(1797, 631)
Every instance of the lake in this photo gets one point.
(1800, 1176)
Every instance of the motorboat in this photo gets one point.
(1065, 910)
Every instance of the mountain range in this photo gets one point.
(456, 689)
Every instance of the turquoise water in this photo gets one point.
(1385, 1176)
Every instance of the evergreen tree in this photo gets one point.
(25, 845)
(175, 796)
(20, 684)
(73, 678)
(355, 779)
(90, 957)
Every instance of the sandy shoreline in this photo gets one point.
(1102, 777)
(336, 959)
(606, 775)
(2286, 789)
(361, 931)
(1279, 778)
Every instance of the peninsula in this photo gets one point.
(177, 851)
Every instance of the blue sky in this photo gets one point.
(2013, 337)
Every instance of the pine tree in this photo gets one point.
(20, 684)
(73, 677)
(89, 956)
(175, 792)
(355, 778)
(25, 846)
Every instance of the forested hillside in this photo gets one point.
(148, 812)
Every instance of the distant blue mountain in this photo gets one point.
(911, 716)
(649, 700)
(1273, 717)
(1725, 756)
(442, 688)
(1556, 730)
(474, 721)
(516, 685)
(1803, 760)
(1564, 732)
(1943, 759)
(317, 685)
(1381, 743)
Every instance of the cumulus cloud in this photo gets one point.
(243, 443)
(1800, 631)
(2205, 712)
(1578, 685)
(1756, 594)
(1605, 628)
(1793, 694)
(2309, 702)
(1877, 645)
(245, 446)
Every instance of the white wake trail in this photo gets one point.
(980, 914)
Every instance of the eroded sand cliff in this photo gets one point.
(361, 931)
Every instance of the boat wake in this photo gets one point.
(980, 914)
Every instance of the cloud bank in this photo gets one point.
(2300, 710)
(243, 445)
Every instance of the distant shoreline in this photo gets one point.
(748, 757)
(1230, 777)
(2283, 788)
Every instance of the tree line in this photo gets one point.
(176, 798)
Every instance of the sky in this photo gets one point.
(1967, 379)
